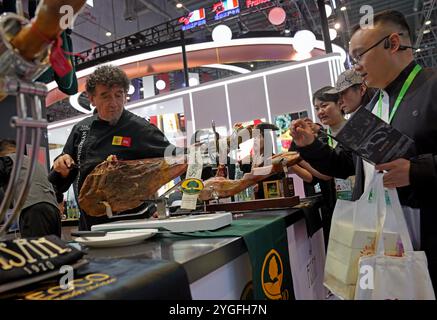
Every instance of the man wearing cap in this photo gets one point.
(353, 92)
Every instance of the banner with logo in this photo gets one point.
(266, 240)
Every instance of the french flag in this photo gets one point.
(230, 4)
(197, 15)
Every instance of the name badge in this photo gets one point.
(121, 141)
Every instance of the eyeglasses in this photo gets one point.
(356, 60)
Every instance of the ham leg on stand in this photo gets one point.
(125, 185)
(219, 187)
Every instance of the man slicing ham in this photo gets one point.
(112, 130)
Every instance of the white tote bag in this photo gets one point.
(353, 231)
(385, 277)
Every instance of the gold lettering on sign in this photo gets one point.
(21, 260)
(39, 295)
(22, 244)
(43, 243)
(86, 284)
(4, 264)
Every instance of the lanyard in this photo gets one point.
(402, 93)
(330, 142)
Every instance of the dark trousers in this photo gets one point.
(40, 220)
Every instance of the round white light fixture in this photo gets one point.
(304, 41)
(221, 33)
(426, 31)
(131, 89)
(343, 8)
(160, 84)
(332, 33)
(337, 26)
(427, 23)
(179, 5)
(277, 16)
(328, 10)
(193, 82)
(108, 34)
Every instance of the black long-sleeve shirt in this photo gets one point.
(92, 140)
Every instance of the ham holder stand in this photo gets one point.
(16, 78)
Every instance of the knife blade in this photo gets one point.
(101, 233)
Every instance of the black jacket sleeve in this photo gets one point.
(336, 162)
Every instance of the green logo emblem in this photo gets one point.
(192, 186)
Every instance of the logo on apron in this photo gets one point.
(121, 141)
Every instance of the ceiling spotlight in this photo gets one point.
(343, 8)
(426, 31)
(287, 28)
(427, 23)
(179, 5)
(108, 34)
(252, 65)
(337, 26)
(418, 50)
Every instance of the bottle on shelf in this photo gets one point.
(248, 193)
(238, 175)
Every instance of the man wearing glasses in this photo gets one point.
(407, 99)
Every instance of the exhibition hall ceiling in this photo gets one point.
(108, 20)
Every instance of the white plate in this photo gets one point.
(118, 238)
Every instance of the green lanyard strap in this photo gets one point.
(330, 142)
(401, 95)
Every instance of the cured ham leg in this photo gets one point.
(222, 188)
(125, 185)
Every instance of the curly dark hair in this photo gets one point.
(109, 76)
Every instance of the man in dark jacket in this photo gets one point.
(407, 100)
(111, 131)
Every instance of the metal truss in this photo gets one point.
(426, 43)
(162, 34)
